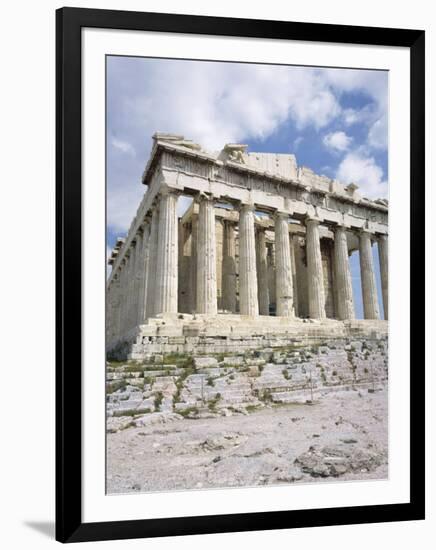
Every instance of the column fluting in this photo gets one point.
(294, 275)
(114, 325)
(167, 255)
(284, 289)
(384, 273)
(315, 278)
(229, 267)
(152, 263)
(247, 263)
(369, 289)
(193, 264)
(117, 316)
(262, 272)
(143, 274)
(344, 289)
(132, 276)
(124, 295)
(206, 258)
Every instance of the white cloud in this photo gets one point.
(123, 146)
(362, 170)
(213, 104)
(365, 115)
(337, 141)
(297, 142)
(378, 133)
(223, 102)
(371, 83)
(350, 116)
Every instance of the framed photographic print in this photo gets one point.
(240, 281)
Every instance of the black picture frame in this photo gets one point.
(69, 525)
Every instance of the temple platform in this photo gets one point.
(229, 333)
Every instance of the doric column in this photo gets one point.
(206, 258)
(131, 285)
(123, 294)
(117, 308)
(369, 289)
(152, 262)
(262, 272)
(248, 303)
(383, 259)
(284, 290)
(344, 289)
(315, 278)
(135, 285)
(294, 275)
(193, 264)
(271, 274)
(138, 268)
(142, 273)
(183, 280)
(229, 267)
(167, 255)
(109, 310)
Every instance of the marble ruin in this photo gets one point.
(260, 256)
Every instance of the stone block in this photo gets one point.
(233, 361)
(204, 362)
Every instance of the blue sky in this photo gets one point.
(333, 120)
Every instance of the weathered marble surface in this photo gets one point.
(263, 237)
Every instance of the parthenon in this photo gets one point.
(263, 242)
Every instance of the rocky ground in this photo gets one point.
(343, 435)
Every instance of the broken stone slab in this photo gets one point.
(129, 404)
(165, 385)
(233, 361)
(336, 460)
(205, 362)
(115, 424)
(134, 396)
(156, 418)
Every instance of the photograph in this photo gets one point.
(224, 338)
(247, 227)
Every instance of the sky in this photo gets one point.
(333, 120)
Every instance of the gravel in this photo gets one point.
(343, 436)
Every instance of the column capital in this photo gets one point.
(203, 196)
(281, 214)
(382, 237)
(364, 230)
(167, 190)
(312, 219)
(245, 206)
(341, 225)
